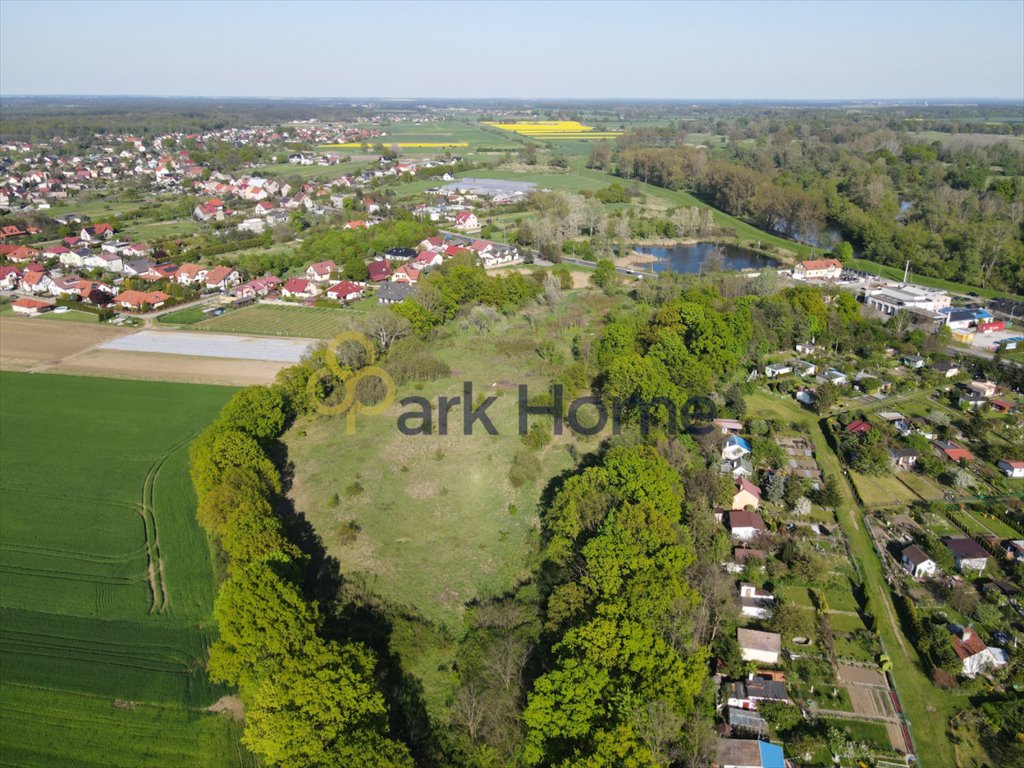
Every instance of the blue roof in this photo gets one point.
(771, 755)
(737, 440)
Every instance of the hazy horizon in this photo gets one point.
(643, 51)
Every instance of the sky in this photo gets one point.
(533, 50)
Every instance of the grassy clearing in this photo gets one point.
(429, 523)
(885, 491)
(95, 644)
(894, 273)
(922, 485)
(282, 320)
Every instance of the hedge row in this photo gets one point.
(309, 701)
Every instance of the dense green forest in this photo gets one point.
(953, 208)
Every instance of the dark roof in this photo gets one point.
(741, 518)
(915, 555)
(966, 549)
(394, 291)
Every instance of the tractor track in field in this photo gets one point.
(155, 569)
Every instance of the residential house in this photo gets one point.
(136, 267)
(748, 753)
(917, 562)
(222, 278)
(1001, 406)
(345, 291)
(1011, 468)
(35, 282)
(971, 400)
(97, 233)
(406, 274)
(835, 376)
(745, 694)
(431, 243)
(946, 369)
(914, 361)
(743, 524)
(765, 647)
(954, 452)
(401, 254)
(735, 447)
(755, 602)
(427, 259)
(968, 554)
(321, 271)
(379, 271)
(975, 655)
(141, 299)
(804, 368)
(897, 421)
(729, 426)
(817, 269)
(137, 250)
(466, 220)
(858, 427)
(747, 495)
(356, 224)
(393, 293)
(189, 273)
(108, 262)
(777, 369)
(9, 277)
(299, 288)
(903, 458)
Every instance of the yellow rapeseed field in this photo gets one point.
(555, 129)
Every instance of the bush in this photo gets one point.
(525, 467)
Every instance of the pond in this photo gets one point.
(689, 258)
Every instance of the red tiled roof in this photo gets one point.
(971, 646)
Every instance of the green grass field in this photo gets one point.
(922, 485)
(187, 316)
(284, 320)
(106, 585)
(885, 491)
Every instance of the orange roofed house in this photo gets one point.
(817, 269)
(140, 299)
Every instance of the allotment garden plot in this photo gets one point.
(106, 585)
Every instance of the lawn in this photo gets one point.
(283, 320)
(872, 734)
(885, 491)
(186, 316)
(922, 485)
(72, 316)
(106, 584)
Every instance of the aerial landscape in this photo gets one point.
(512, 385)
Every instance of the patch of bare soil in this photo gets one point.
(156, 366)
(27, 343)
(228, 705)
